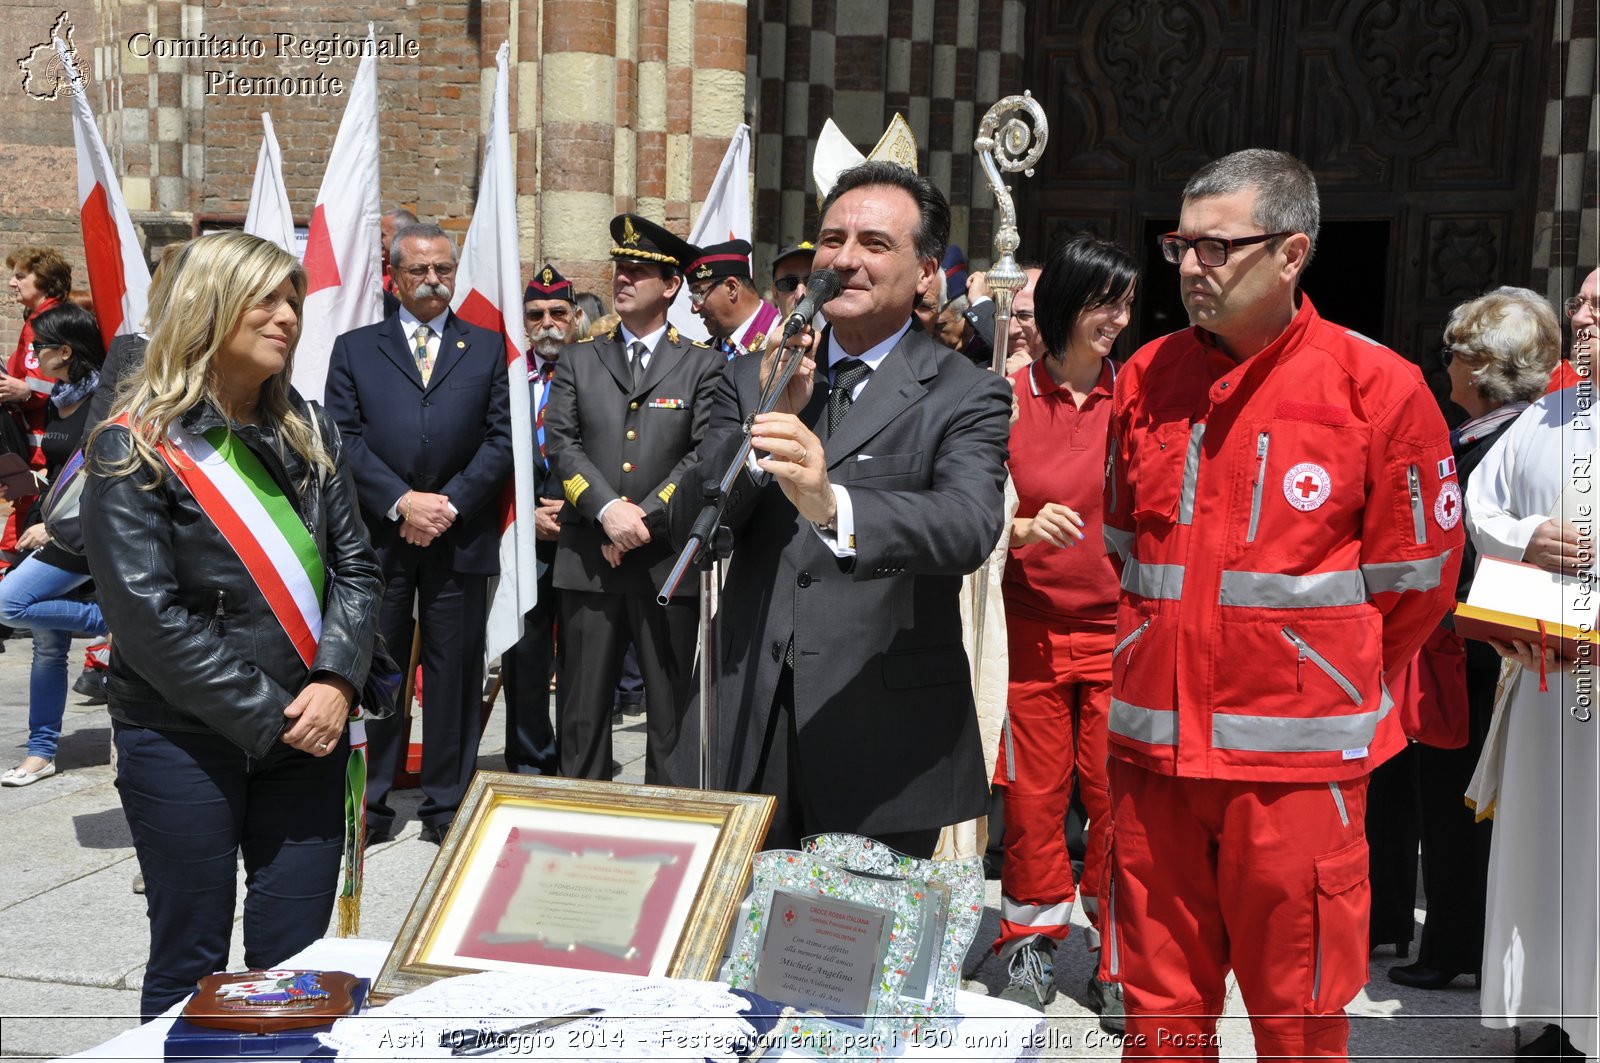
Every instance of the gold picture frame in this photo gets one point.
(579, 873)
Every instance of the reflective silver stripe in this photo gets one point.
(1385, 702)
(1274, 590)
(1059, 914)
(1338, 800)
(1153, 727)
(1400, 576)
(1255, 490)
(1133, 636)
(1191, 474)
(1152, 581)
(1291, 734)
(1419, 526)
(1117, 541)
(1333, 673)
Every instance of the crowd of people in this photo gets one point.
(1230, 559)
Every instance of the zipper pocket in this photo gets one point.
(218, 617)
(1133, 636)
(1111, 474)
(1261, 480)
(1306, 653)
(1414, 483)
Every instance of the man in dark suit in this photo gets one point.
(423, 402)
(625, 414)
(843, 687)
(552, 319)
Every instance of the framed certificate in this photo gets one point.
(578, 873)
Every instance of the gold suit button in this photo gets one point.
(627, 466)
(632, 435)
(633, 405)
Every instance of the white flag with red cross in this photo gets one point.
(119, 278)
(489, 294)
(344, 282)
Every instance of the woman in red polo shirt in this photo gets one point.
(1061, 605)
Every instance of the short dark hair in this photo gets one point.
(1286, 190)
(933, 233)
(74, 326)
(419, 231)
(1082, 273)
(51, 271)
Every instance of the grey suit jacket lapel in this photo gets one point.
(663, 359)
(614, 356)
(892, 387)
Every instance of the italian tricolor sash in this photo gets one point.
(260, 525)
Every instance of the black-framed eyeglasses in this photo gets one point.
(554, 313)
(1212, 251)
(785, 285)
(40, 348)
(1578, 302)
(443, 269)
(1447, 354)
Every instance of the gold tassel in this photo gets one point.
(350, 916)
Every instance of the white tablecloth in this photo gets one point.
(989, 1029)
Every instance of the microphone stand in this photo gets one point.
(710, 541)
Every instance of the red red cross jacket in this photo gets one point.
(1287, 532)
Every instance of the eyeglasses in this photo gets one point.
(698, 296)
(40, 348)
(1447, 354)
(1578, 302)
(443, 269)
(554, 313)
(785, 285)
(1212, 251)
(1024, 316)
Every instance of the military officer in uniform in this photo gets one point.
(625, 414)
(722, 292)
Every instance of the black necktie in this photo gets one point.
(846, 375)
(636, 363)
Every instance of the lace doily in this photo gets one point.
(641, 1019)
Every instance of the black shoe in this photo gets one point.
(92, 685)
(434, 833)
(1105, 998)
(376, 835)
(1552, 1044)
(1419, 977)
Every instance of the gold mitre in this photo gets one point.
(835, 154)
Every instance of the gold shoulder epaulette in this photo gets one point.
(700, 343)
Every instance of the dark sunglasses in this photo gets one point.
(785, 285)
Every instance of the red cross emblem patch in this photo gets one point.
(1447, 507)
(1307, 486)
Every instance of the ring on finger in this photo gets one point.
(804, 453)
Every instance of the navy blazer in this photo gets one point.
(452, 437)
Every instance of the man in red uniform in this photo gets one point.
(1286, 519)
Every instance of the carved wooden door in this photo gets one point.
(1421, 119)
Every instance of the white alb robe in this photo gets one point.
(1540, 959)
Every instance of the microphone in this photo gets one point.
(821, 286)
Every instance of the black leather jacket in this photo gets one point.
(195, 647)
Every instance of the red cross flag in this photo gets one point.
(344, 288)
(119, 278)
(489, 294)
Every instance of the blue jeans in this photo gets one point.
(33, 595)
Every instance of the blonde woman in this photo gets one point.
(235, 573)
